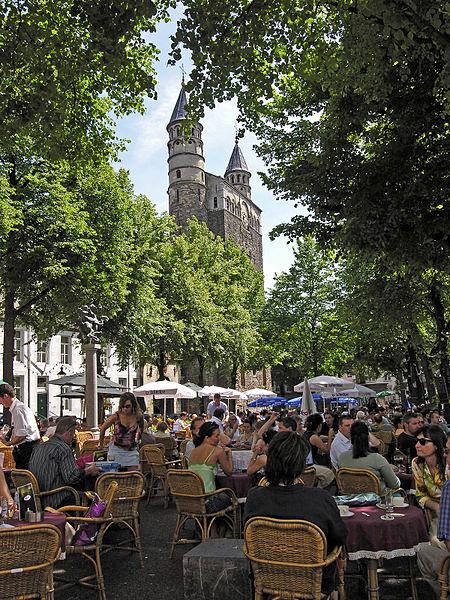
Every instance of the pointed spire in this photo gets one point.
(179, 112)
(237, 160)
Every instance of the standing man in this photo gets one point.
(431, 555)
(408, 439)
(216, 403)
(25, 432)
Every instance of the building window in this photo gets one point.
(178, 173)
(232, 179)
(42, 383)
(65, 350)
(42, 351)
(215, 202)
(123, 382)
(238, 178)
(228, 204)
(243, 178)
(178, 195)
(18, 386)
(135, 382)
(17, 345)
(203, 176)
(199, 196)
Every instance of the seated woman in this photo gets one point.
(428, 467)
(286, 498)
(320, 449)
(257, 464)
(204, 459)
(246, 438)
(359, 457)
(231, 428)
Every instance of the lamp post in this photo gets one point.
(61, 400)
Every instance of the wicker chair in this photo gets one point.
(182, 454)
(274, 548)
(125, 506)
(157, 476)
(443, 578)
(27, 557)
(81, 437)
(357, 481)
(8, 461)
(92, 551)
(89, 446)
(169, 446)
(23, 477)
(189, 494)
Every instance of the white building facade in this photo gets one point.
(36, 362)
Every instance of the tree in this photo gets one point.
(300, 321)
(68, 68)
(71, 245)
(351, 102)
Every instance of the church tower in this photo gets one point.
(237, 172)
(187, 186)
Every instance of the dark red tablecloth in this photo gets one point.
(372, 537)
(238, 482)
(58, 520)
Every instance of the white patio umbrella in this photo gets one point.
(308, 406)
(358, 391)
(210, 390)
(324, 382)
(161, 390)
(259, 393)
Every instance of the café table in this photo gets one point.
(371, 538)
(238, 482)
(57, 519)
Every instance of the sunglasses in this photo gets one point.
(424, 441)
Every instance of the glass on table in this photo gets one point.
(388, 502)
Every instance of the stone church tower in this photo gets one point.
(224, 203)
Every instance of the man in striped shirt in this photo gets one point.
(53, 464)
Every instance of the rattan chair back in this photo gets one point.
(309, 476)
(187, 490)
(89, 446)
(155, 459)
(183, 445)
(169, 446)
(26, 564)
(388, 443)
(357, 481)
(181, 435)
(125, 503)
(287, 557)
(8, 459)
(81, 437)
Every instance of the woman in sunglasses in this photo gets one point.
(128, 424)
(429, 466)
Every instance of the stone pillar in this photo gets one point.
(91, 396)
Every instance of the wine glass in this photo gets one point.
(389, 506)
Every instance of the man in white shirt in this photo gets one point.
(180, 424)
(25, 432)
(342, 443)
(216, 403)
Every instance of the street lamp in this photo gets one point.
(61, 400)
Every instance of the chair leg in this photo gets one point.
(137, 535)
(175, 534)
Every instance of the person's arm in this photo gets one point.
(267, 425)
(390, 478)
(315, 440)
(256, 463)
(4, 491)
(106, 425)
(226, 460)
(334, 454)
(224, 439)
(443, 531)
(374, 441)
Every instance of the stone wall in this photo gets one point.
(190, 202)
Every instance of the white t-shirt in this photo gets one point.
(212, 407)
(179, 425)
(23, 421)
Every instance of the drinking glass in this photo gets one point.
(389, 506)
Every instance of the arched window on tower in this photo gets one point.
(178, 173)
(215, 202)
(238, 178)
(228, 204)
(178, 195)
(203, 176)
(243, 178)
(232, 179)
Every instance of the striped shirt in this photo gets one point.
(53, 465)
(444, 513)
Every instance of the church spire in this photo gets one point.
(179, 111)
(237, 160)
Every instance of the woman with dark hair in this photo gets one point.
(320, 450)
(359, 457)
(257, 464)
(287, 498)
(428, 467)
(128, 424)
(204, 459)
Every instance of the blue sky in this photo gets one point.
(146, 154)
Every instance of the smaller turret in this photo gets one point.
(237, 173)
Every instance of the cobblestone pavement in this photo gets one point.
(162, 578)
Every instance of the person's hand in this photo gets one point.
(91, 470)
(273, 416)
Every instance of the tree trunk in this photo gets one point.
(161, 364)
(8, 345)
(233, 375)
(201, 370)
(428, 373)
(414, 373)
(441, 346)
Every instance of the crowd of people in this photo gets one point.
(282, 445)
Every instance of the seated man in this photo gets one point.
(53, 464)
(431, 555)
